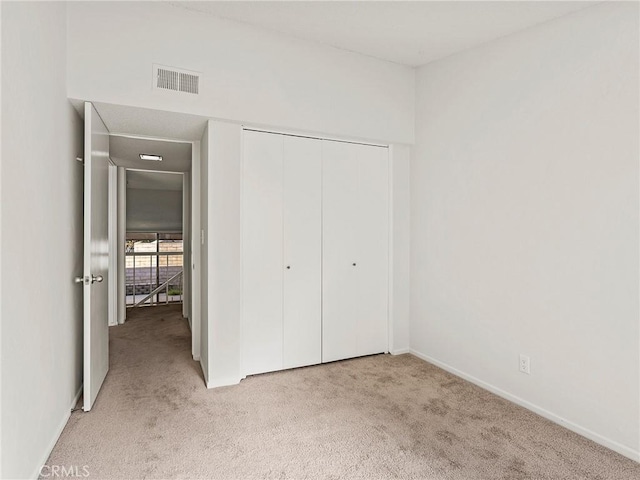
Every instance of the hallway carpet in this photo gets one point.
(379, 417)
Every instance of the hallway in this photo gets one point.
(374, 417)
(151, 375)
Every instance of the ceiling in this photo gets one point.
(410, 33)
(128, 120)
(154, 180)
(156, 123)
(125, 152)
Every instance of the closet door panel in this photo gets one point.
(262, 276)
(340, 250)
(373, 248)
(302, 321)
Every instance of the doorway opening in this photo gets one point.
(154, 257)
(151, 229)
(122, 142)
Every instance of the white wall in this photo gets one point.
(524, 219)
(223, 256)
(41, 364)
(264, 79)
(220, 253)
(248, 75)
(154, 210)
(400, 241)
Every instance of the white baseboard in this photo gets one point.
(223, 382)
(196, 358)
(76, 399)
(57, 433)
(400, 351)
(204, 372)
(585, 432)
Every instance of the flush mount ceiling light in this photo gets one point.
(147, 156)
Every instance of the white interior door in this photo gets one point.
(355, 250)
(302, 229)
(96, 254)
(340, 250)
(373, 249)
(262, 265)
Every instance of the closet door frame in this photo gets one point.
(346, 139)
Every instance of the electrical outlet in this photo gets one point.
(525, 364)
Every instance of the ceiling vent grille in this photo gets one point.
(176, 79)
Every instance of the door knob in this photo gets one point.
(88, 280)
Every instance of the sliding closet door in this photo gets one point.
(340, 251)
(262, 259)
(373, 246)
(302, 320)
(355, 250)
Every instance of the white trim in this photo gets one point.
(638, 292)
(86, 262)
(121, 241)
(316, 136)
(76, 398)
(112, 215)
(147, 170)
(1, 287)
(205, 373)
(390, 258)
(57, 433)
(195, 257)
(150, 137)
(186, 247)
(241, 296)
(585, 432)
(401, 351)
(223, 382)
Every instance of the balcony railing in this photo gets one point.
(147, 271)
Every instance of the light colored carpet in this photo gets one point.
(375, 417)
